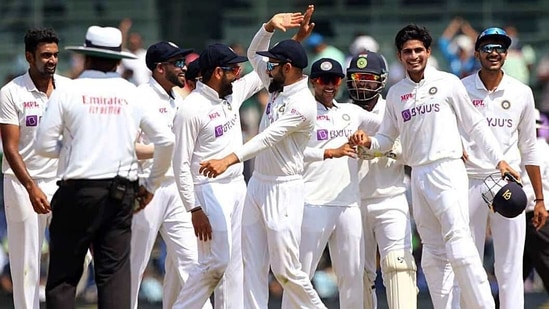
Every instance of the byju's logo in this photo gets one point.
(218, 131)
(31, 121)
(322, 135)
(406, 115)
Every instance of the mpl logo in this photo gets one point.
(406, 97)
(163, 110)
(322, 135)
(478, 103)
(31, 121)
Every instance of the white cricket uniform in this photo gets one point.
(208, 127)
(543, 154)
(23, 105)
(385, 211)
(332, 215)
(273, 210)
(426, 116)
(164, 214)
(509, 112)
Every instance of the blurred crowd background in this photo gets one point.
(343, 28)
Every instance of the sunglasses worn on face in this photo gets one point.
(176, 63)
(327, 79)
(272, 65)
(365, 77)
(490, 48)
(235, 70)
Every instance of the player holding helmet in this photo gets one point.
(385, 212)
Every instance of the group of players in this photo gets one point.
(326, 173)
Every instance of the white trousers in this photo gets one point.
(271, 233)
(386, 224)
(440, 209)
(340, 228)
(164, 214)
(219, 259)
(26, 231)
(508, 236)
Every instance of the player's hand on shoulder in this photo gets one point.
(142, 199)
(39, 200)
(201, 224)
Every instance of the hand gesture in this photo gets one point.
(283, 21)
(214, 167)
(344, 150)
(306, 26)
(359, 138)
(201, 224)
(540, 215)
(39, 200)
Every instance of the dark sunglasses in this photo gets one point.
(365, 77)
(180, 63)
(235, 70)
(490, 48)
(328, 79)
(272, 65)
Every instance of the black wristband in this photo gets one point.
(196, 209)
(538, 200)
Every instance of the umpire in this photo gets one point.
(92, 127)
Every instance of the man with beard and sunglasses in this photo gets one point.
(165, 213)
(29, 179)
(332, 217)
(273, 210)
(508, 106)
(208, 125)
(384, 207)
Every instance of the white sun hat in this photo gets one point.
(103, 42)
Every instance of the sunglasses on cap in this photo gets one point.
(490, 48)
(325, 80)
(235, 70)
(180, 63)
(365, 77)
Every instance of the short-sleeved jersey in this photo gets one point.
(334, 182)
(208, 127)
(98, 118)
(427, 116)
(509, 112)
(23, 105)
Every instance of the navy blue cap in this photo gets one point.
(218, 55)
(193, 70)
(326, 66)
(288, 51)
(367, 62)
(493, 33)
(162, 51)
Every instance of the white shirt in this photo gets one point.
(509, 112)
(207, 127)
(427, 116)
(98, 118)
(382, 176)
(286, 124)
(23, 105)
(543, 150)
(166, 105)
(334, 182)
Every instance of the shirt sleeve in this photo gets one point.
(8, 111)
(245, 87)
(186, 128)
(260, 42)
(163, 140)
(473, 123)
(47, 142)
(311, 154)
(388, 132)
(527, 140)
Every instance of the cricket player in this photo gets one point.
(426, 109)
(273, 211)
(165, 213)
(29, 179)
(332, 217)
(385, 211)
(508, 108)
(206, 125)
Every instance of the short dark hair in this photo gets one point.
(33, 37)
(413, 32)
(207, 74)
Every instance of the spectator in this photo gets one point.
(319, 48)
(457, 47)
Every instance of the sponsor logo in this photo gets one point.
(507, 195)
(31, 121)
(163, 110)
(478, 103)
(322, 117)
(406, 97)
(500, 122)
(222, 129)
(324, 134)
(31, 104)
(408, 114)
(213, 115)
